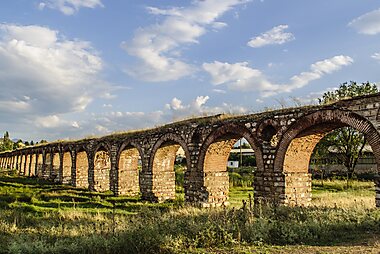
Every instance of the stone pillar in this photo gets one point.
(377, 189)
(269, 183)
(73, 169)
(195, 193)
(146, 181)
(91, 177)
(113, 174)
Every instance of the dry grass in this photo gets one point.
(334, 193)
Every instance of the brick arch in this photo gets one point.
(169, 137)
(234, 129)
(161, 166)
(213, 159)
(127, 170)
(337, 118)
(129, 143)
(298, 142)
(102, 145)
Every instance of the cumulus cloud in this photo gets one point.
(276, 35)
(69, 7)
(176, 109)
(43, 74)
(198, 107)
(239, 76)
(158, 47)
(376, 56)
(368, 23)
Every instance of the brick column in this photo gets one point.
(146, 181)
(91, 177)
(73, 168)
(113, 181)
(377, 189)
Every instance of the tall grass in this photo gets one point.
(40, 217)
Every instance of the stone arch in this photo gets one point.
(127, 168)
(161, 165)
(213, 159)
(81, 168)
(102, 167)
(298, 142)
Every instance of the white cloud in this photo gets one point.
(43, 74)
(104, 123)
(158, 46)
(219, 91)
(368, 23)
(276, 35)
(55, 122)
(376, 56)
(198, 107)
(69, 7)
(240, 76)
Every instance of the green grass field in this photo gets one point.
(37, 216)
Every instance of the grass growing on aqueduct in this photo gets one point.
(40, 217)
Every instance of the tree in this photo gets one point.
(7, 143)
(346, 91)
(345, 144)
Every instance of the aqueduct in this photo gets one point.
(283, 141)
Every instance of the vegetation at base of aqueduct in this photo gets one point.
(40, 217)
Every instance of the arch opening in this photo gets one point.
(39, 165)
(55, 167)
(102, 169)
(129, 166)
(169, 166)
(214, 159)
(81, 170)
(295, 154)
(66, 168)
(33, 165)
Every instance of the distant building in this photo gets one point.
(233, 164)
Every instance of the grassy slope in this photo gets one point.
(40, 217)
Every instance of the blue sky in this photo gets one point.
(75, 68)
